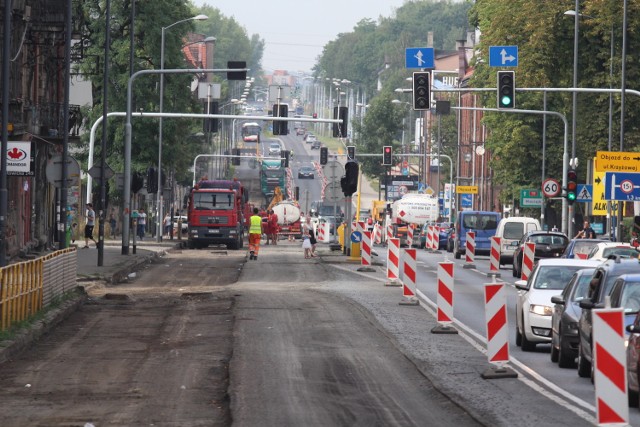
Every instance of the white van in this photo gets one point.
(511, 230)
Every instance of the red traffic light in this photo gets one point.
(315, 115)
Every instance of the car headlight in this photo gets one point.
(541, 310)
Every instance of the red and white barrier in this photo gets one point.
(528, 255)
(445, 292)
(470, 250)
(365, 249)
(429, 242)
(610, 368)
(377, 234)
(323, 232)
(389, 231)
(410, 229)
(495, 311)
(435, 242)
(494, 260)
(393, 262)
(409, 272)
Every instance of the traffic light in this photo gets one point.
(349, 182)
(236, 159)
(340, 129)
(387, 155)
(324, 155)
(571, 186)
(351, 152)
(211, 125)
(421, 90)
(236, 75)
(506, 89)
(280, 127)
(315, 115)
(152, 180)
(137, 182)
(286, 154)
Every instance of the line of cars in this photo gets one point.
(554, 306)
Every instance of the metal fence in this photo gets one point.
(27, 287)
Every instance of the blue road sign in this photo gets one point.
(584, 193)
(622, 186)
(356, 237)
(503, 56)
(419, 57)
(466, 200)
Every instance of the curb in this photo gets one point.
(25, 337)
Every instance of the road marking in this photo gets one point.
(538, 383)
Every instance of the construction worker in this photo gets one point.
(255, 234)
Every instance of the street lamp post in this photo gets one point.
(159, 189)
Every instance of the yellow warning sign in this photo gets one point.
(467, 189)
(617, 161)
(599, 204)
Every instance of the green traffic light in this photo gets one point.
(506, 100)
(571, 196)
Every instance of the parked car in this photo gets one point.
(603, 250)
(533, 307)
(315, 145)
(565, 318)
(633, 361)
(580, 248)
(600, 286)
(511, 230)
(306, 172)
(549, 244)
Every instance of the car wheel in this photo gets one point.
(554, 354)
(526, 344)
(513, 270)
(518, 337)
(633, 398)
(584, 367)
(565, 355)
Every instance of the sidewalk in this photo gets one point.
(115, 266)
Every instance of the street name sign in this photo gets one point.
(467, 189)
(503, 56)
(617, 161)
(419, 57)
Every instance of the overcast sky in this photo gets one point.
(295, 31)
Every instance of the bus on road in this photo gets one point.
(251, 132)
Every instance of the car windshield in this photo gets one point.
(513, 230)
(581, 289)
(630, 299)
(624, 252)
(206, 201)
(549, 239)
(554, 277)
(480, 222)
(583, 247)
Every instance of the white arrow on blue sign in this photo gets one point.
(622, 186)
(503, 56)
(356, 237)
(419, 57)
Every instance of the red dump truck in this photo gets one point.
(216, 214)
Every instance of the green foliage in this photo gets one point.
(179, 147)
(545, 37)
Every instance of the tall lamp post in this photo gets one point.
(159, 189)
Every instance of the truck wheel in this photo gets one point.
(191, 244)
(233, 245)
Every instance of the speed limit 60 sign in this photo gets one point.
(550, 187)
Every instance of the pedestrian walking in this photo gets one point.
(306, 243)
(112, 224)
(255, 234)
(314, 242)
(88, 228)
(273, 227)
(142, 223)
(167, 224)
